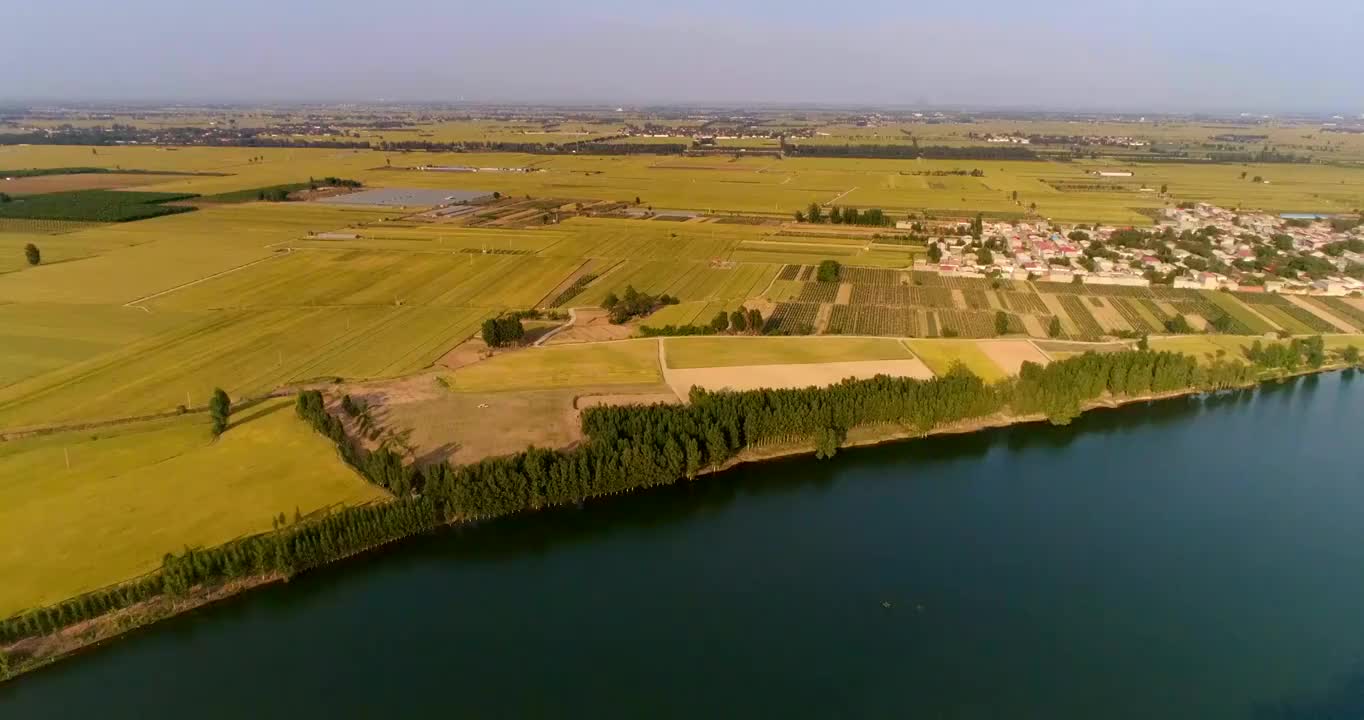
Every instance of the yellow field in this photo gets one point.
(136, 492)
(628, 362)
(699, 352)
(941, 355)
(247, 353)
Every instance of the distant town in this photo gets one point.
(1197, 246)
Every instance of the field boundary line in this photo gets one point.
(840, 196)
(153, 296)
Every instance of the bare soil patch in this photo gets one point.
(591, 325)
(462, 428)
(1010, 355)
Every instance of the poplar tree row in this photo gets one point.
(634, 447)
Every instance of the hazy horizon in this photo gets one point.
(1162, 56)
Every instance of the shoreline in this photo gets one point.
(71, 640)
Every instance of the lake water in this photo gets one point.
(1198, 558)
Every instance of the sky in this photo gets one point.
(1133, 55)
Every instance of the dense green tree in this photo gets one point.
(1054, 327)
(828, 271)
(934, 253)
(738, 321)
(503, 331)
(814, 213)
(219, 409)
(755, 320)
(1001, 323)
(720, 323)
(32, 254)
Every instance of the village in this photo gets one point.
(1197, 246)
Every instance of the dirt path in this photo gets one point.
(841, 195)
(572, 318)
(844, 294)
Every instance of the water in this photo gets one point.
(1192, 558)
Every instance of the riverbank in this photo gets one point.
(41, 651)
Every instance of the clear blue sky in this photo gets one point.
(1173, 55)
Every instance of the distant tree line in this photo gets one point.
(633, 447)
(873, 217)
(910, 152)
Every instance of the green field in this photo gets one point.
(699, 352)
(135, 492)
(941, 355)
(628, 362)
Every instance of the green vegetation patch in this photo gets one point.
(94, 206)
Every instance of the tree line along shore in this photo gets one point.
(630, 448)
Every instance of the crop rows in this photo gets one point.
(931, 330)
(1308, 318)
(1131, 291)
(789, 272)
(976, 299)
(928, 279)
(1169, 293)
(1212, 313)
(1272, 299)
(1089, 327)
(793, 318)
(899, 295)
(973, 283)
(572, 290)
(1132, 316)
(1023, 302)
(1096, 302)
(967, 323)
(869, 276)
(818, 292)
(867, 320)
(1343, 310)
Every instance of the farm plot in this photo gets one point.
(322, 278)
(627, 362)
(792, 318)
(701, 352)
(128, 495)
(1131, 313)
(1342, 309)
(642, 239)
(1284, 313)
(942, 355)
(247, 353)
(1242, 315)
(1010, 355)
(94, 206)
(685, 281)
(874, 320)
(869, 276)
(818, 292)
(971, 324)
(976, 299)
(1097, 290)
(1023, 302)
(39, 338)
(1084, 321)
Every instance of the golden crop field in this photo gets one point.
(109, 503)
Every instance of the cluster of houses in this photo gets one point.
(1044, 251)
